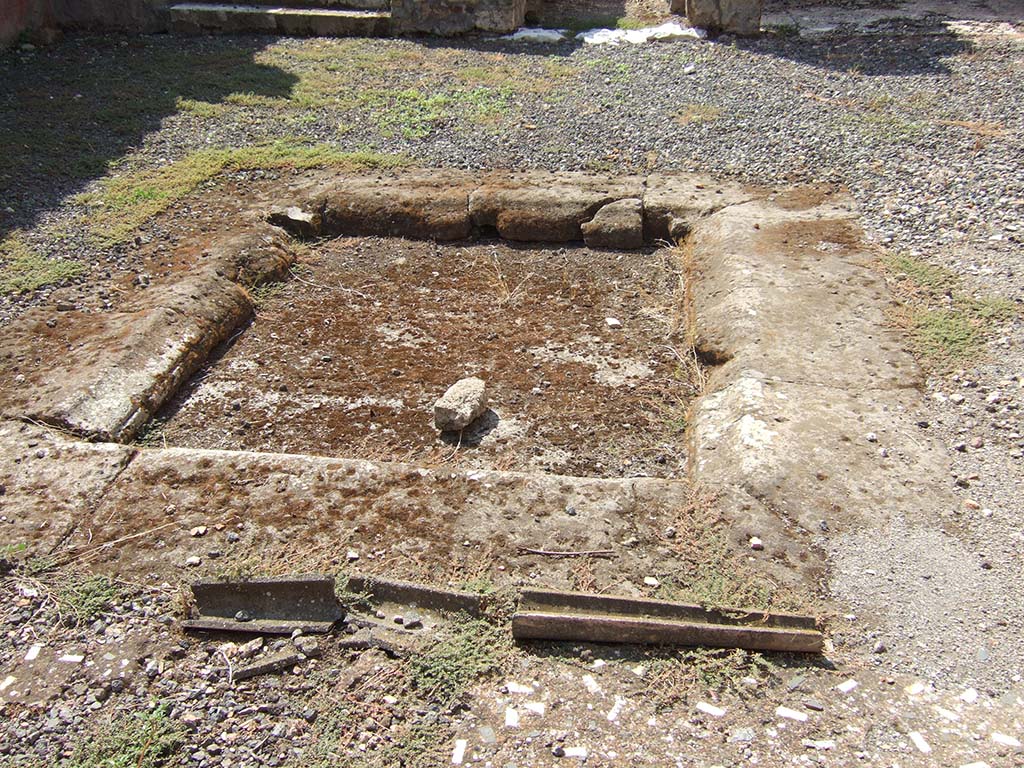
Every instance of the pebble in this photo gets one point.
(756, 544)
(193, 561)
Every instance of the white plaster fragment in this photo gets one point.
(459, 753)
(791, 714)
(919, 742)
(1006, 741)
(710, 709)
(847, 686)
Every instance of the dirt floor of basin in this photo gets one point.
(581, 351)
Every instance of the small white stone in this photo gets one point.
(919, 742)
(591, 684)
(871, 437)
(511, 718)
(616, 710)
(459, 753)
(756, 544)
(970, 696)
(650, 581)
(821, 744)
(1006, 741)
(689, 69)
(514, 687)
(915, 689)
(710, 709)
(613, 322)
(947, 713)
(199, 530)
(351, 555)
(791, 714)
(193, 560)
(537, 707)
(580, 752)
(847, 686)
(33, 652)
(72, 658)
(7, 682)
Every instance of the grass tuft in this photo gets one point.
(23, 269)
(123, 203)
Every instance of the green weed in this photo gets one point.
(468, 651)
(697, 113)
(86, 600)
(695, 672)
(710, 574)
(947, 328)
(141, 740)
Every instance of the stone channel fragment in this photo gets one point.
(546, 207)
(784, 298)
(128, 363)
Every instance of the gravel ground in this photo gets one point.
(923, 124)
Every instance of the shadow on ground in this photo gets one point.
(897, 49)
(69, 111)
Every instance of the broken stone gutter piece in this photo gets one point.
(272, 606)
(576, 616)
(461, 405)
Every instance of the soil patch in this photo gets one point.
(348, 357)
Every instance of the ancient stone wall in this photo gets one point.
(21, 16)
(17, 16)
(453, 17)
(131, 15)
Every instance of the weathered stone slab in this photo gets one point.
(616, 225)
(673, 203)
(803, 451)
(133, 361)
(794, 295)
(50, 485)
(420, 204)
(120, 367)
(546, 207)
